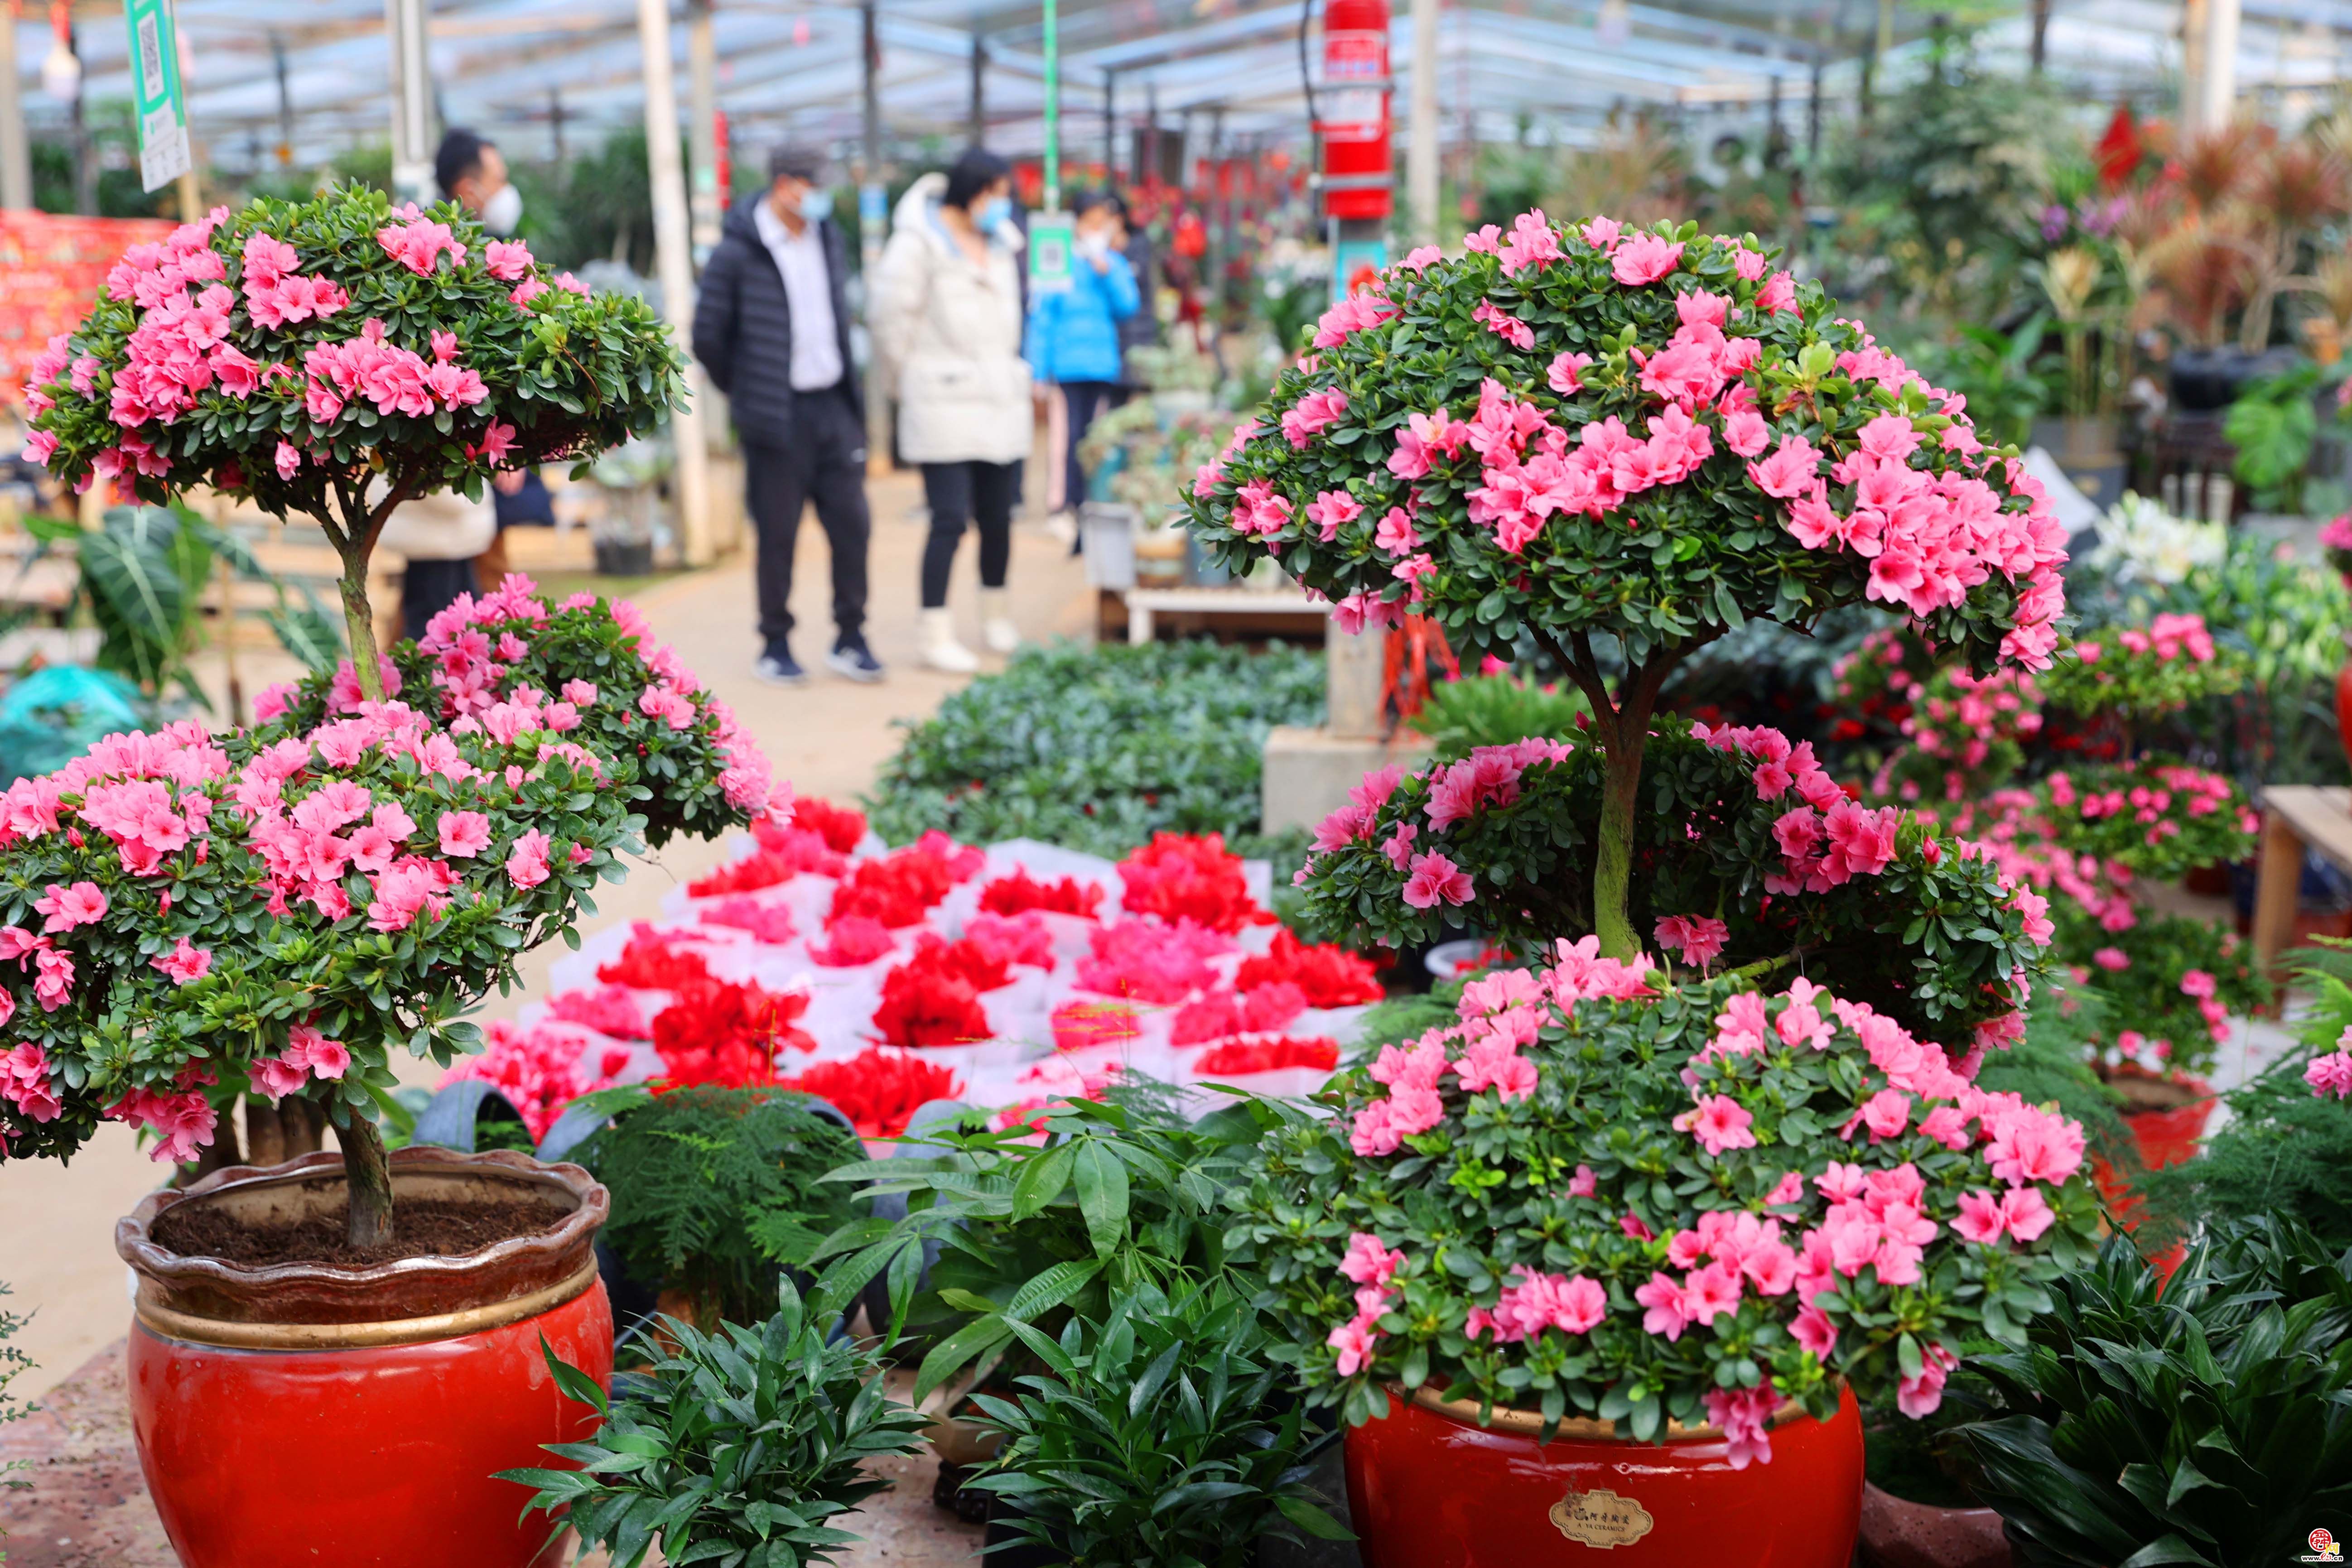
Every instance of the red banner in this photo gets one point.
(51, 271)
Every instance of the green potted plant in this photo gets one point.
(198, 918)
(1150, 1437)
(716, 1191)
(2194, 1420)
(738, 1448)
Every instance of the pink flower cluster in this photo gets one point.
(1499, 1014)
(418, 243)
(2328, 1075)
(276, 293)
(1573, 1303)
(1370, 1266)
(25, 1082)
(1699, 939)
(395, 380)
(308, 1054)
(1150, 961)
(1529, 473)
(542, 1069)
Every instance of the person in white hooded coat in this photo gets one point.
(947, 327)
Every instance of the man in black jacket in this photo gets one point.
(771, 329)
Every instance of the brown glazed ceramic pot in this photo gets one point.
(1898, 1534)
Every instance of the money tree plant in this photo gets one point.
(187, 918)
(1624, 444)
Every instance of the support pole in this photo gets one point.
(978, 131)
(2192, 67)
(16, 150)
(1421, 128)
(2041, 54)
(1110, 128)
(708, 201)
(674, 265)
(1053, 106)
(285, 102)
(2221, 78)
(412, 101)
(872, 223)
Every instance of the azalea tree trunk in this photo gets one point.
(358, 623)
(367, 1174)
(1622, 730)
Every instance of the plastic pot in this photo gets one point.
(1429, 1487)
(299, 1414)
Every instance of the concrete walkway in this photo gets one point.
(57, 1221)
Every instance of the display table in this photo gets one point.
(2295, 817)
(1144, 603)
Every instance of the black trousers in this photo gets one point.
(823, 462)
(429, 587)
(1085, 400)
(983, 493)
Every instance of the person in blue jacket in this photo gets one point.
(1073, 339)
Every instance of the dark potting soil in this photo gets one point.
(422, 1227)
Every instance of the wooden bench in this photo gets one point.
(2295, 817)
(1144, 603)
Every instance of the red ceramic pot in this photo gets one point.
(299, 1414)
(1428, 1488)
(2168, 1136)
(2343, 696)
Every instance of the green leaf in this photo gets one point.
(1101, 1182)
(1042, 1180)
(1313, 1520)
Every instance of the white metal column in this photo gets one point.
(411, 100)
(674, 265)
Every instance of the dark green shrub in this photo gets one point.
(1099, 749)
(715, 1189)
(2207, 1421)
(734, 1448)
(1156, 1437)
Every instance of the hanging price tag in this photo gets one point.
(158, 108)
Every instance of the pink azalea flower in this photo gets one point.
(1433, 880)
(1643, 259)
(185, 964)
(1719, 1123)
(1583, 1184)
(66, 907)
(1663, 1299)
(1566, 375)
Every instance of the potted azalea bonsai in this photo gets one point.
(195, 918)
(1696, 1204)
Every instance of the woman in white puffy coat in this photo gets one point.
(947, 326)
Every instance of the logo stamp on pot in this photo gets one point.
(1601, 1518)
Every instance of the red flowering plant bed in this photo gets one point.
(1603, 1193)
(1598, 436)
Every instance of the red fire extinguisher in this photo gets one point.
(1352, 109)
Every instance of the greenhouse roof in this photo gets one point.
(532, 70)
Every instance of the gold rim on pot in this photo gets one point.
(1572, 1429)
(168, 1324)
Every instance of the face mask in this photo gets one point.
(816, 205)
(1094, 246)
(502, 211)
(992, 214)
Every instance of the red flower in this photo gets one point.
(651, 963)
(1331, 976)
(878, 1089)
(1177, 877)
(838, 826)
(898, 889)
(717, 1032)
(1019, 893)
(930, 999)
(1243, 1056)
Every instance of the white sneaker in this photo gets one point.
(940, 649)
(1064, 527)
(997, 629)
